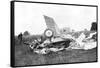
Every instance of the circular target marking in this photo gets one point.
(48, 33)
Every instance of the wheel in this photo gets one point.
(31, 46)
(45, 51)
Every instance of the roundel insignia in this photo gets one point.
(48, 33)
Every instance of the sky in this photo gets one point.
(29, 17)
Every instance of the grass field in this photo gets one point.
(24, 57)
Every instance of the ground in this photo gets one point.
(24, 57)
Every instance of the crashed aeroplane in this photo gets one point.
(56, 41)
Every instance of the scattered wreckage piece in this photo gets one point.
(84, 43)
(53, 46)
(46, 47)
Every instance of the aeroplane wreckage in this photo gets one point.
(56, 41)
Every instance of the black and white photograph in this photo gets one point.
(53, 33)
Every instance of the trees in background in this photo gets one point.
(26, 33)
